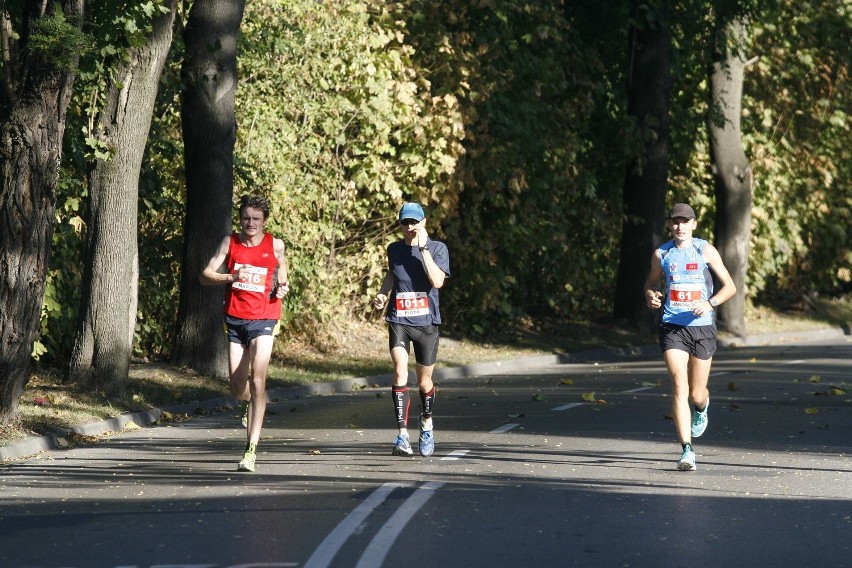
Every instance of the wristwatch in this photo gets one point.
(714, 302)
(424, 247)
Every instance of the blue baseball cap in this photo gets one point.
(412, 211)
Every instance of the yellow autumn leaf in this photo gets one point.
(815, 379)
(566, 382)
(588, 396)
(811, 410)
(753, 360)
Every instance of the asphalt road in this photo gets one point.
(526, 473)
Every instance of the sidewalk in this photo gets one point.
(58, 440)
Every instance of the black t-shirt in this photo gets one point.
(413, 300)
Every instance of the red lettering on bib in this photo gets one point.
(692, 266)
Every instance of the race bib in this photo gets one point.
(684, 294)
(410, 304)
(253, 278)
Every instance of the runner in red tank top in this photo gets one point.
(254, 267)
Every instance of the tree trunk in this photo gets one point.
(104, 341)
(732, 172)
(209, 134)
(35, 98)
(649, 95)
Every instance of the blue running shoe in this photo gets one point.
(402, 446)
(687, 459)
(426, 442)
(699, 420)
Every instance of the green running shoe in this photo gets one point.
(244, 405)
(699, 420)
(687, 459)
(249, 457)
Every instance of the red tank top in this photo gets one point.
(249, 298)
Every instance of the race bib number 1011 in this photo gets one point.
(410, 304)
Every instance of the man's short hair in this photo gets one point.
(255, 202)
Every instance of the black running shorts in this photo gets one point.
(425, 339)
(242, 331)
(697, 340)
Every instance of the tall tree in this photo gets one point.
(732, 174)
(649, 96)
(209, 132)
(104, 341)
(41, 41)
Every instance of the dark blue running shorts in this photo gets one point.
(242, 331)
(425, 339)
(697, 340)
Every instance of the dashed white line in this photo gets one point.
(567, 406)
(455, 455)
(637, 389)
(503, 428)
(328, 548)
(375, 553)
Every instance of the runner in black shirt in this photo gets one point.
(417, 268)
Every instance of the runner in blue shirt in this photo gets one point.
(688, 329)
(417, 269)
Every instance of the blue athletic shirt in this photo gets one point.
(413, 301)
(688, 280)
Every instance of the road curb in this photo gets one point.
(60, 440)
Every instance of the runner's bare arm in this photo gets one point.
(282, 277)
(211, 276)
(381, 297)
(728, 289)
(653, 295)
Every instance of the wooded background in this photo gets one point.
(518, 126)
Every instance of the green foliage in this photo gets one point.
(112, 29)
(339, 127)
(505, 119)
(57, 40)
(530, 230)
(797, 105)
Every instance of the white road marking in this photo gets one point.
(328, 548)
(455, 455)
(794, 362)
(638, 389)
(375, 553)
(503, 428)
(567, 406)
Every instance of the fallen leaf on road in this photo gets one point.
(566, 382)
(588, 396)
(815, 379)
(812, 410)
(538, 396)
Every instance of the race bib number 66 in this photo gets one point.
(410, 304)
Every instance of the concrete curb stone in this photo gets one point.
(58, 440)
